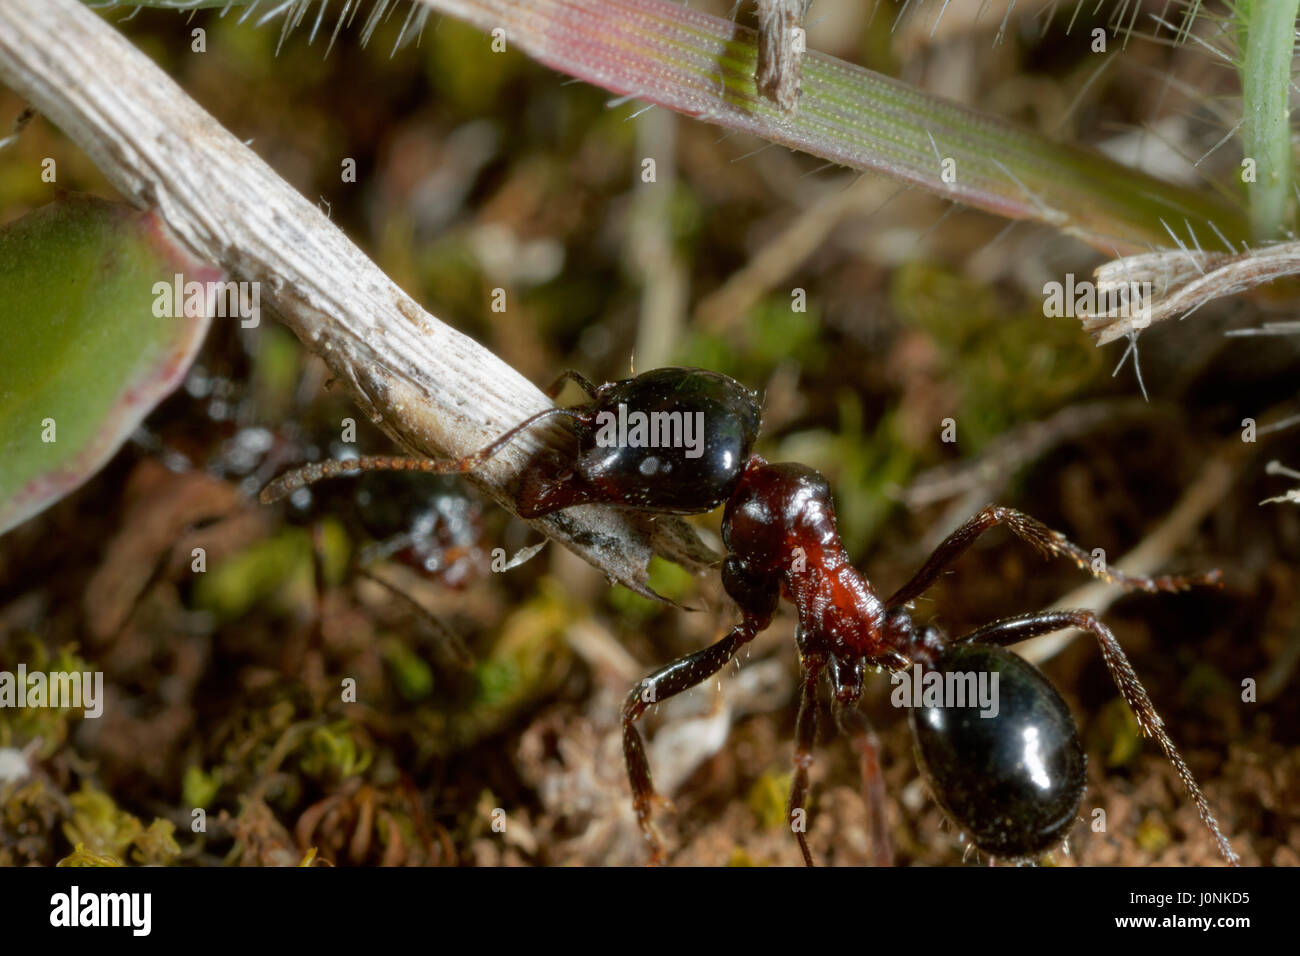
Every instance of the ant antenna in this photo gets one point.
(309, 474)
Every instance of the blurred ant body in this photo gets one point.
(1012, 779)
(436, 528)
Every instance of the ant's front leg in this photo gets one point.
(670, 680)
(805, 735)
(1045, 540)
(1012, 630)
(862, 736)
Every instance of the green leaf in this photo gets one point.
(84, 358)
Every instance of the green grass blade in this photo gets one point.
(1267, 32)
(703, 66)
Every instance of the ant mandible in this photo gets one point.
(1012, 779)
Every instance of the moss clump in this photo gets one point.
(102, 834)
(334, 751)
(767, 798)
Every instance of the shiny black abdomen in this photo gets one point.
(1013, 782)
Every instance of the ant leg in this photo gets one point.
(1046, 541)
(862, 736)
(304, 475)
(805, 735)
(569, 375)
(1014, 629)
(670, 680)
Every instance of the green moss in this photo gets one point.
(768, 797)
(199, 789)
(277, 367)
(29, 815)
(49, 725)
(1152, 834)
(528, 659)
(1203, 682)
(157, 845)
(770, 334)
(333, 751)
(333, 551)
(280, 567)
(448, 271)
(102, 834)
(99, 824)
(411, 673)
(80, 856)
(466, 74)
(667, 578)
(1116, 732)
(497, 680)
(865, 462)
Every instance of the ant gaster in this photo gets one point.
(1012, 779)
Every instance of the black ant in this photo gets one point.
(1012, 776)
(690, 471)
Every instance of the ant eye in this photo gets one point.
(999, 748)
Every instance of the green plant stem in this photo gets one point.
(1268, 31)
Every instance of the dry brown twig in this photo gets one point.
(1181, 281)
(430, 388)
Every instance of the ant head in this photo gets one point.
(672, 440)
(668, 440)
(998, 747)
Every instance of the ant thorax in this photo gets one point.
(780, 522)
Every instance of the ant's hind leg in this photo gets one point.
(862, 736)
(805, 735)
(670, 680)
(1046, 541)
(1012, 630)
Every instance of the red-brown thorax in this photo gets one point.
(837, 607)
(780, 523)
